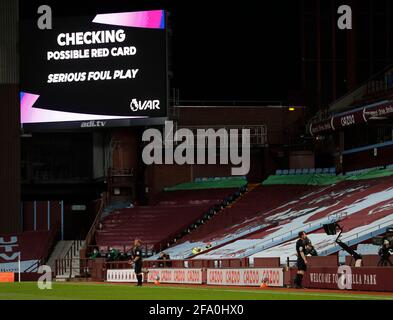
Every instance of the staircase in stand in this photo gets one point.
(67, 263)
(59, 252)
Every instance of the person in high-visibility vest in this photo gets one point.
(196, 250)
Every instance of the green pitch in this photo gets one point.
(86, 291)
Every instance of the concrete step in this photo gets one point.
(62, 278)
(77, 279)
(59, 252)
(67, 275)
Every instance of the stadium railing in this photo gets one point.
(66, 267)
(219, 263)
(75, 247)
(90, 235)
(147, 249)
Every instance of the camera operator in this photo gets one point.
(385, 252)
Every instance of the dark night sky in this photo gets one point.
(221, 51)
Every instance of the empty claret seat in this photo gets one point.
(250, 206)
(172, 213)
(362, 206)
(276, 213)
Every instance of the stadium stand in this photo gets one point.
(115, 205)
(236, 221)
(363, 207)
(264, 222)
(173, 215)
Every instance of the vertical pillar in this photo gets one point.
(319, 80)
(10, 218)
(341, 144)
(35, 215)
(21, 216)
(303, 53)
(388, 32)
(351, 49)
(48, 215)
(371, 39)
(334, 52)
(62, 219)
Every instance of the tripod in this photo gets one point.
(356, 256)
(384, 262)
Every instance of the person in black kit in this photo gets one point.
(385, 253)
(161, 257)
(301, 259)
(137, 261)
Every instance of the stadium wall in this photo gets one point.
(358, 279)
(68, 220)
(9, 114)
(41, 215)
(282, 123)
(301, 160)
(274, 277)
(124, 149)
(368, 159)
(323, 273)
(177, 276)
(159, 177)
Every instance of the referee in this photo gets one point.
(137, 261)
(301, 259)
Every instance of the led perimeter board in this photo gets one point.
(104, 70)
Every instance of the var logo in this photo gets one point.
(137, 105)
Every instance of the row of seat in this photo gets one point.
(172, 213)
(192, 197)
(362, 171)
(259, 200)
(285, 172)
(367, 205)
(217, 178)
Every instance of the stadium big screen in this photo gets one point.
(94, 71)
